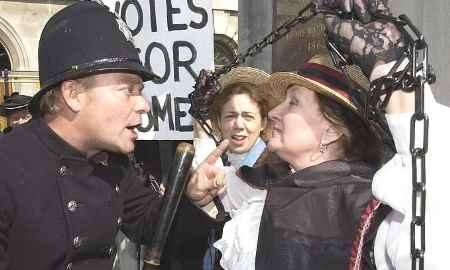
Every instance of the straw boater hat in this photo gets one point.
(243, 75)
(251, 76)
(317, 75)
(321, 76)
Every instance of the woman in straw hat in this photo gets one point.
(310, 216)
(238, 114)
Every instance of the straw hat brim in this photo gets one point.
(243, 75)
(281, 81)
(252, 76)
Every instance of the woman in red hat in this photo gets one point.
(310, 216)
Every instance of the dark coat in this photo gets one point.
(59, 210)
(193, 229)
(310, 217)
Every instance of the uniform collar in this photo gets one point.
(69, 156)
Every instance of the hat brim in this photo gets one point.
(281, 81)
(252, 76)
(243, 75)
(14, 103)
(5, 111)
(130, 67)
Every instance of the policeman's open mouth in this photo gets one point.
(133, 127)
(133, 130)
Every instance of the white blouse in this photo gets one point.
(244, 204)
(392, 186)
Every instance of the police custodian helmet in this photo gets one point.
(82, 39)
(14, 103)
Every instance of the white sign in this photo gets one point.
(176, 39)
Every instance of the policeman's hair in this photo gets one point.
(51, 101)
(48, 103)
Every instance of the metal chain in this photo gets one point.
(413, 78)
(418, 152)
(269, 39)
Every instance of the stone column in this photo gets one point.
(304, 41)
(255, 21)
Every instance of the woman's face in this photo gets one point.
(241, 123)
(297, 126)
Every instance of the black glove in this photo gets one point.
(363, 9)
(367, 44)
(206, 87)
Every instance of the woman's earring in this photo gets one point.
(323, 148)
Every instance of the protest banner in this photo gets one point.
(175, 38)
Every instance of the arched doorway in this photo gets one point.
(5, 67)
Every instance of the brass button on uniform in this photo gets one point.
(117, 188)
(72, 206)
(62, 171)
(77, 242)
(69, 266)
(119, 221)
(111, 251)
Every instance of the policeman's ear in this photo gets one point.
(70, 91)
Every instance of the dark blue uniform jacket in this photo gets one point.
(59, 210)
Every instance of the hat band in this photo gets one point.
(112, 60)
(16, 107)
(78, 69)
(326, 76)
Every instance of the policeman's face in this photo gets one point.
(111, 109)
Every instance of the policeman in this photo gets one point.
(15, 109)
(67, 185)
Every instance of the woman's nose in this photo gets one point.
(239, 122)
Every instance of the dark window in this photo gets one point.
(5, 63)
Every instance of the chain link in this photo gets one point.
(413, 78)
(418, 152)
(272, 37)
